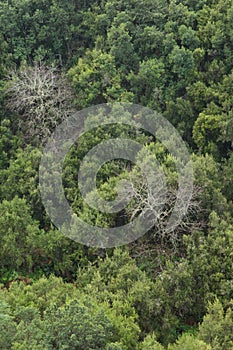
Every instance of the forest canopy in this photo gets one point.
(161, 291)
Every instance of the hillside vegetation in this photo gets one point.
(163, 291)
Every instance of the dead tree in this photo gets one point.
(41, 97)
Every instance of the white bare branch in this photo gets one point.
(146, 201)
(41, 97)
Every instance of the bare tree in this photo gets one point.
(42, 97)
(158, 207)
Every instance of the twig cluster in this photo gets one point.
(41, 97)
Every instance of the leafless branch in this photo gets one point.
(144, 200)
(41, 97)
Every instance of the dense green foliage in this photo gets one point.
(163, 291)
